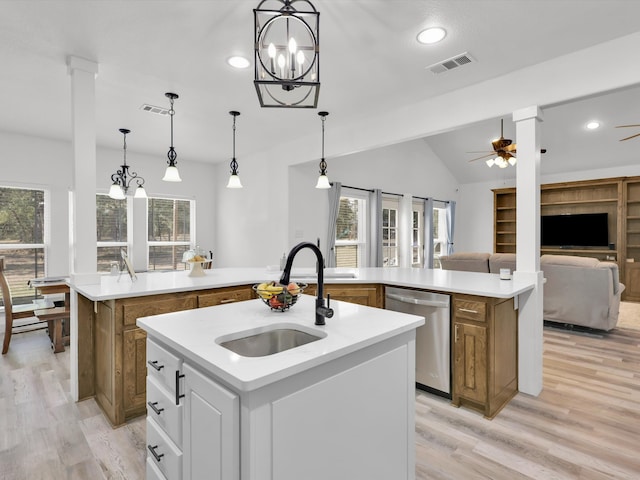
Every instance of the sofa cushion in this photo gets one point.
(502, 260)
(466, 261)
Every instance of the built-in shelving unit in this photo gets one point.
(618, 197)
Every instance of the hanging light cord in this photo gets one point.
(172, 155)
(323, 164)
(234, 163)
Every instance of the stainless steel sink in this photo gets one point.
(269, 342)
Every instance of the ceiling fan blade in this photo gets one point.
(484, 156)
(482, 151)
(624, 126)
(632, 136)
(510, 148)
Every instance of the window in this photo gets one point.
(170, 231)
(439, 234)
(22, 227)
(417, 234)
(351, 232)
(389, 232)
(111, 225)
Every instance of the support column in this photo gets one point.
(83, 237)
(530, 317)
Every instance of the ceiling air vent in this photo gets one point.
(451, 63)
(156, 110)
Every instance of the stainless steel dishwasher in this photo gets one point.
(433, 339)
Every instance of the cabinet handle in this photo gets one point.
(155, 365)
(153, 452)
(456, 332)
(157, 411)
(178, 394)
(228, 300)
(467, 310)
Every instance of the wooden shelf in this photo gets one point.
(580, 202)
(569, 251)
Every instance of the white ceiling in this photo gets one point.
(370, 61)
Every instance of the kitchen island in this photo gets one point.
(111, 348)
(339, 406)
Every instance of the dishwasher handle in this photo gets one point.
(418, 301)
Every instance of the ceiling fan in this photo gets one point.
(504, 151)
(632, 136)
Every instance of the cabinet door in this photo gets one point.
(368, 295)
(470, 361)
(134, 371)
(211, 433)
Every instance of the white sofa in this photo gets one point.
(579, 291)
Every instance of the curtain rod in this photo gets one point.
(434, 199)
(371, 190)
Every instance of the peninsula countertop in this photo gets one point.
(155, 283)
(196, 334)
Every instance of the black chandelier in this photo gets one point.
(171, 174)
(287, 54)
(122, 178)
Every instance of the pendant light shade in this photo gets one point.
(234, 179)
(323, 180)
(171, 174)
(122, 178)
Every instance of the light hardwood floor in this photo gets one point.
(584, 425)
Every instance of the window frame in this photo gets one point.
(417, 207)
(127, 245)
(390, 204)
(190, 244)
(362, 242)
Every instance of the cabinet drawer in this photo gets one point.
(162, 408)
(470, 310)
(155, 306)
(153, 473)
(225, 296)
(163, 366)
(162, 452)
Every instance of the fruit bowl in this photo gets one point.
(279, 297)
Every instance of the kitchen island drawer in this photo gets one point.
(162, 408)
(469, 310)
(162, 452)
(163, 366)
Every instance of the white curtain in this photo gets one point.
(334, 206)
(451, 218)
(428, 233)
(375, 253)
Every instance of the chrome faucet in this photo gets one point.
(322, 311)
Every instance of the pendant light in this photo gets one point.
(171, 174)
(122, 178)
(323, 180)
(234, 179)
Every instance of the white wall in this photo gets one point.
(47, 164)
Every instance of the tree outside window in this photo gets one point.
(170, 232)
(111, 226)
(22, 226)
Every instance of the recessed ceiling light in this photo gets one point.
(431, 35)
(238, 62)
(593, 125)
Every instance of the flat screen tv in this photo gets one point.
(575, 230)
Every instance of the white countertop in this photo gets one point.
(154, 283)
(193, 335)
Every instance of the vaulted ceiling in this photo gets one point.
(370, 62)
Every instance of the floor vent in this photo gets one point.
(156, 110)
(451, 63)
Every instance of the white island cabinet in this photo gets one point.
(338, 407)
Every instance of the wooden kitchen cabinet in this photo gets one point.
(119, 347)
(485, 353)
(363, 294)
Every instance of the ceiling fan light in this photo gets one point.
(490, 162)
(512, 160)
